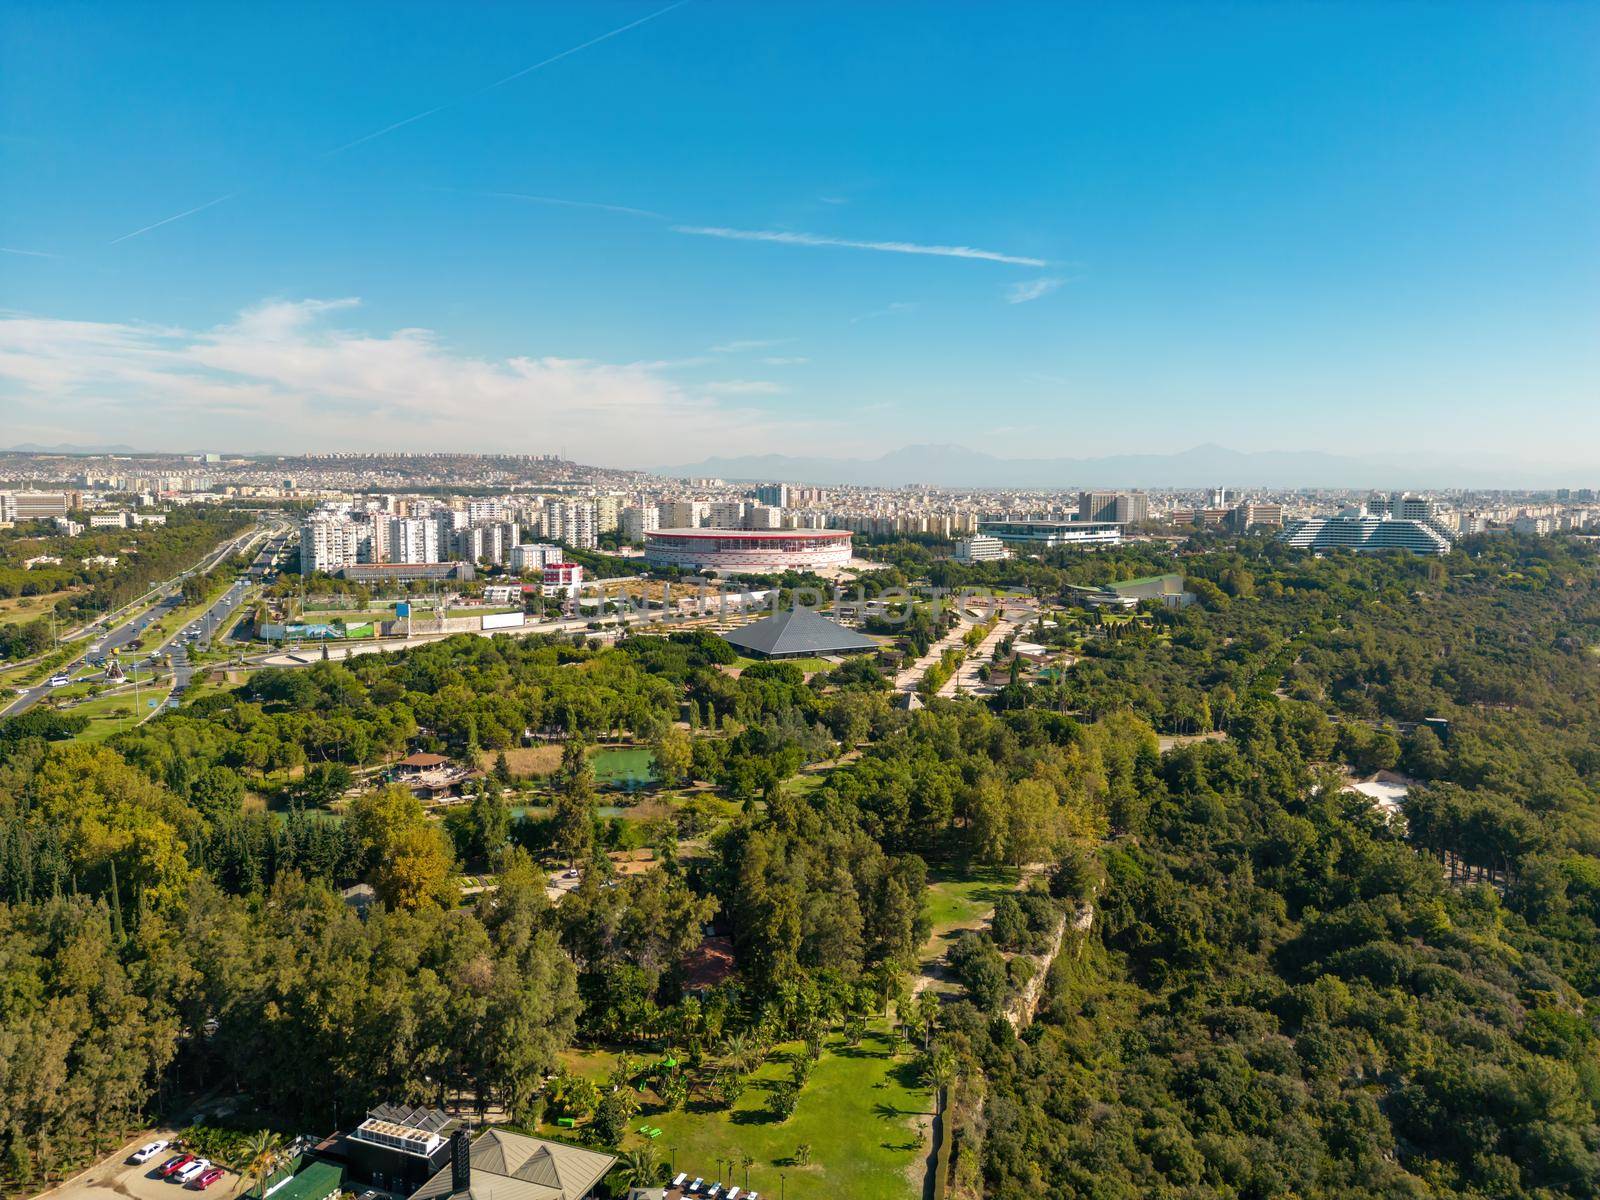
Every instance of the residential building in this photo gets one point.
(725, 514)
(413, 540)
(683, 514)
(640, 519)
(531, 558)
(773, 495)
(501, 1165)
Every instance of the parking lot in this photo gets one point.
(115, 1177)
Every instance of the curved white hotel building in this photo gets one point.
(738, 551)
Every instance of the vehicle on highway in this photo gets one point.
(149, 1150)
(59, 681)
(206, 1178)
(173, 1165)
(192, 1171)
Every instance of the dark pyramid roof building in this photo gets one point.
(513, 1166)
(798, 633)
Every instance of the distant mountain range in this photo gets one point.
(69, 448)
(1203, 466)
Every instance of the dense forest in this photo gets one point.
(1282, 991)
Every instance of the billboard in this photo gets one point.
(402, 609)
(503, 620)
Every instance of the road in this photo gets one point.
(129, 630)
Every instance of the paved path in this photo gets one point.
(965, 676)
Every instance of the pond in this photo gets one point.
(624, 767)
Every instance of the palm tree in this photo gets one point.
(262, 1153)
(639, 1166)
(746, 1162)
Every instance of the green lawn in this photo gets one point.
(855, 1113)
(807, 665)
(110, 715)
(957, 900)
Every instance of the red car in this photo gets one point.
(173, 1165)
(206, 1178)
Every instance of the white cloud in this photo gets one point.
(1030, 289)
(788, 238)
(893, 308)
(281, 377)
(743, 387)
(786, 360)
(740, 345)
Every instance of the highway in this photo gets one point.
(128, 631)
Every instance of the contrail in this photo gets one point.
(27, 253)
(175, 217)
(619, 209)
(415, 117)
(787, 238)
(554, 58)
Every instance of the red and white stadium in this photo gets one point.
(747, 551)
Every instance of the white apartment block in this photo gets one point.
(328, 542)
(532, 558)
(683, 514)
(413, 540)
(640, 519)
(725, 514)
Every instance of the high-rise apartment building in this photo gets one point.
(725, 514)
(774, 495)
(413, 540)
(683, 514)
(640, 519)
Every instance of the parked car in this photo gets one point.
(149, 1150)
(175, 1164)
(206, 1178)
(193, 1171)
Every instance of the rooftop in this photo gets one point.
(513, 1166)
(799, 632)
(764, 534)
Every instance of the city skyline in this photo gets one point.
(646, 234)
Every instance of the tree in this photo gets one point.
(575, 802)
(674, 755)
(611, 1118)
(802, 1154)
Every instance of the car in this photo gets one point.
(193, 1170)
(167, 1169)
(59, 681)
(149, 1150)
(206, 1178)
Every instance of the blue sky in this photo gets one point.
(1029, 229)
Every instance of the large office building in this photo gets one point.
(1366, 533)
(980, 547)
(1031, 537)
(758, 551)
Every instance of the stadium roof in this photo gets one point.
(797, 633)
(512, 1166)
(761, 534)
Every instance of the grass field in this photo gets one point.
(858, 1113)
(25, 608)
(961, 901)
(807, 665)
(110, 715)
